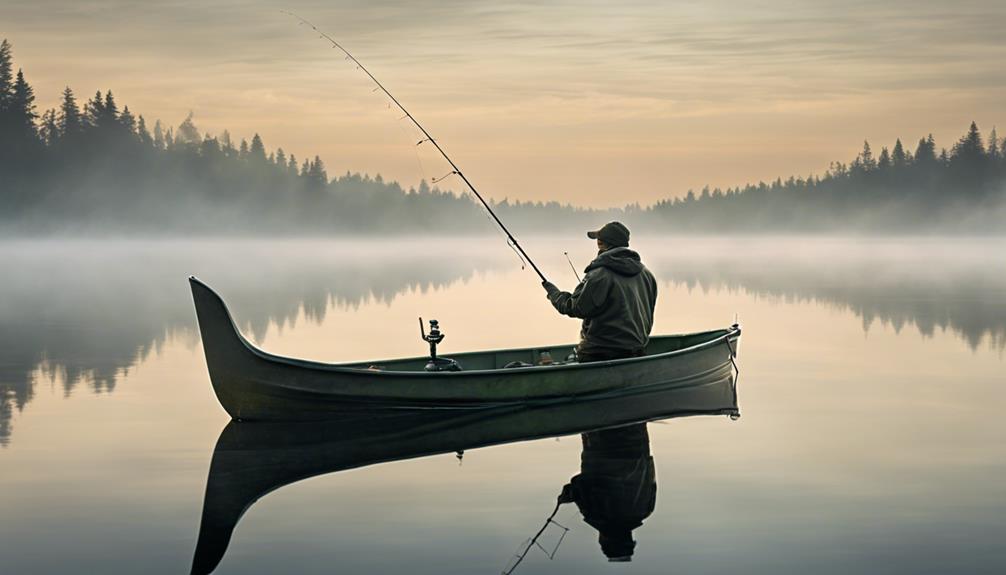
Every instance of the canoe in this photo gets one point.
(252, 459)
(253, 385)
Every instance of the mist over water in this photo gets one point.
(870, 369)
(933, 284)
(135, 295)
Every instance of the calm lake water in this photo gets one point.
(871, 393)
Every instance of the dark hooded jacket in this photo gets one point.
(615, 300)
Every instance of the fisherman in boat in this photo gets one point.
(615, 299)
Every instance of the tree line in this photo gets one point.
(959, 190)
(97, 166)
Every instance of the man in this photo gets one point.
(615, 299)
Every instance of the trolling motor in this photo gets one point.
(433, 338)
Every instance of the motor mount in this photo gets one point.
(433, 338)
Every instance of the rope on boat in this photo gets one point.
(733, 362)
(737, 376)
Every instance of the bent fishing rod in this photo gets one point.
(512, 241)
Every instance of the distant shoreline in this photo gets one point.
(641, 236)
(98, 169)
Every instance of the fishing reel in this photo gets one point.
(433, 338)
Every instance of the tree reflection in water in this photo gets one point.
(56, 295)
(83, 313)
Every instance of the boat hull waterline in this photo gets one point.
(253, 385)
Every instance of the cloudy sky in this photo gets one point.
(598, 103)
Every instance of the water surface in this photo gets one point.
(870, 391)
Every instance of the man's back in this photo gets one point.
(615, 300)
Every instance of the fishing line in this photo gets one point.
(409, 132)
(508, 243)
(415, 151)
(443, 177)
(360, 66)
(421, 165)
(506, 238)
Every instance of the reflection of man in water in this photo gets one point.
(615, 300)
(616, 488)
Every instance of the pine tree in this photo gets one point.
(925, 153)
(94, 110)
(970, 145)
(243, 150)
(291, 166)
(110, 116)
(995, 155)
(188, 134)
(70, 121)
(226, 145)
(158, 135)
(49, 130)
(866, 158)
(257, 151)
(142, 133)
(10, 131)
(318, 171)
(968, 159)
(127, 121)
(280, 158)
(899, 160)
(884, 161)
(210, 149)
(6, 73)
(21, 109)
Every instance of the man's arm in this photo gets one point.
(585, 301)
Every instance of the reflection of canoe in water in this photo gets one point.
(253, 459)
(254, 385)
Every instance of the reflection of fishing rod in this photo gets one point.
(534, 541)
(572, 266)
(427, 138)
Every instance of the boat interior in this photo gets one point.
(531, 357)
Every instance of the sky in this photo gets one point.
(596, 103)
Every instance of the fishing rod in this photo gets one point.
(571, 266)
(534, 541)
(512, 241)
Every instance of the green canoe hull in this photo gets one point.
(253, 385)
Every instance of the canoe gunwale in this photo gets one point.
(730, 334)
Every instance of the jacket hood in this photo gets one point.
(622, 261)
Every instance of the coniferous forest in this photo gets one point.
(92, 165)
